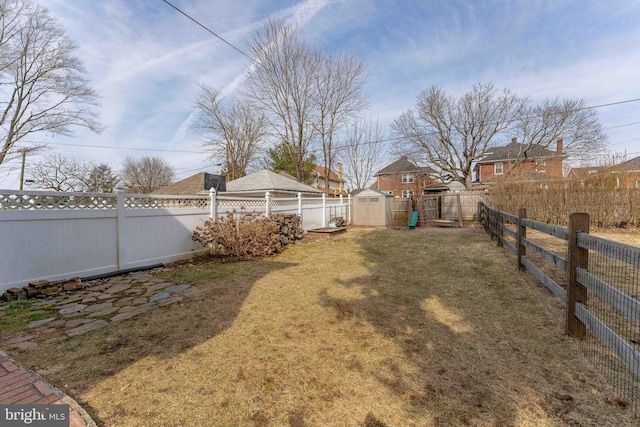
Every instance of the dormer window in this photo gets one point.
(498, 168)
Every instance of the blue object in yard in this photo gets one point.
(413, 220)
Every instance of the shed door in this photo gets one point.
(374, 211)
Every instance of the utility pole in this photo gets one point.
(24, 157)
(24, 152)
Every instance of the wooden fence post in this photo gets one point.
(499, 224)
(521, 234)
(479, 213)
(578, 257)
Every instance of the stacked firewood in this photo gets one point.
(248, 234)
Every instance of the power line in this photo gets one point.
(209, 31)
(125, 148)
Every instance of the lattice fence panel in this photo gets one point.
(65, 201)
(135, 202)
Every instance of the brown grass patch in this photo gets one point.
(370, 327)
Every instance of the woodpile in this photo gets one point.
(248, 234)
(289, 227)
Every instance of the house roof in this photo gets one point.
(333, 176)
(202, 181)
(368, 191)
(516, 151)
(629, 165)
(267, 181)
(403, 165)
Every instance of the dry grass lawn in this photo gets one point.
(370, 327)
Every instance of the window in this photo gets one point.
(374, 199)
(384, 176)
(497, 168)
(362, 200)
(407, 178)
(407, 194)
(637, 184)
(541, 165)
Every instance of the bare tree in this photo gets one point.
(233, 130)
(541, 125)
(58, 173)
(283, 84)
(43, 86)
(146, 174)
(363, 153)
(453, 133)
(339, 97)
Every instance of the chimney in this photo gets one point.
(514, 140)
(559, 146)
(339, 178)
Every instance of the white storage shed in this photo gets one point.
(372, 207)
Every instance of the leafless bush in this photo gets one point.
(553, 201)
(246, 234)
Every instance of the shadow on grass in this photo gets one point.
(449, 306)
(161, 333)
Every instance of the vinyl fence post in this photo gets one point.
(299, 196)
(213, 205)
(499, 226)
(578, 257)
(521, 234)
(349, 201)
(324, 210)
(267, 209)
(121, 217)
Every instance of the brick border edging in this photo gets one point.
(41, 385)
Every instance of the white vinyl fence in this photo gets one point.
(51, 235)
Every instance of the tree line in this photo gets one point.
(297, 106)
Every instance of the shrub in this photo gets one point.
(246, 234)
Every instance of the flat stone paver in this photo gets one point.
(159, 296)
(95, 305)
(76, 322)
(25, 345)
(129, 314)
(98, 307)
(37, 323)
(76, 308)
(177, 288)
(87, 327)
(118, 287)
(104, 312)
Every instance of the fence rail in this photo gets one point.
(53, 235)
(601, 282)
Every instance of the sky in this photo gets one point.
(146, 61)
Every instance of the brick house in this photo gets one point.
(531, 163)
(404, 179)
(622, 175)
